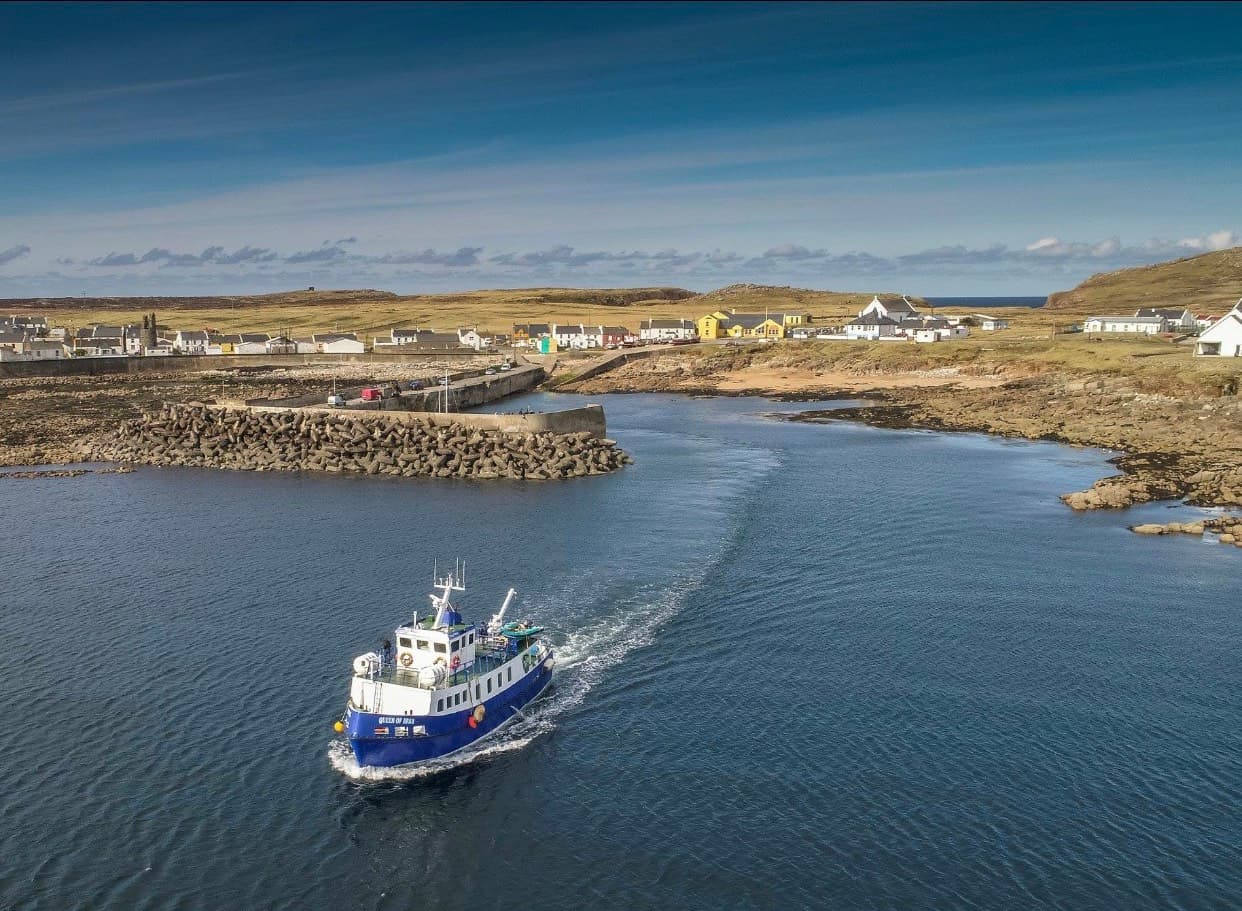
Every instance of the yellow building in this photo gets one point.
(730, 324)
(710, 326)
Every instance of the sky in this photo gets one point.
(931, 149)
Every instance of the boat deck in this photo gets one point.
(485, 661)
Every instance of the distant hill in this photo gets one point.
(304, 298)
(1208, 283)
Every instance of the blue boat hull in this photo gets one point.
(375, 742)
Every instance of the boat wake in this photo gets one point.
(581, 662)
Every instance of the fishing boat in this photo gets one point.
(447, 685)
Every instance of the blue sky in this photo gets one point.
(932, 149)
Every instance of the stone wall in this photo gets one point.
(100, 366)
(396, 444)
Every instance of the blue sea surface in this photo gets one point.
(986, 303)
(802, 666)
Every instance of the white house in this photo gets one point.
(1224, 337)
(570, 336)
(100, 346)
(871, 326)
(338, 343)
(594, 336)
(193, 341)
(990, 323)
(251, 343)
(408, 336)
(305, 346)
(1175, 320)
(281, 344)
(1144, 325)
(667, 330)
(894, 310)
(472, 339)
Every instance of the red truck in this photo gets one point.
(371, 394)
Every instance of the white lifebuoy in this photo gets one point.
(406, 659)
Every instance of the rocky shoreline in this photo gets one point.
(211, 437)
(1187, 447)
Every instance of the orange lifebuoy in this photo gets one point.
(477, 716)
(406, 659)
(456, 663)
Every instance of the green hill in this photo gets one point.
(1209, 283)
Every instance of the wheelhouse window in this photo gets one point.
(456, 644)
(424, 645)
(404, 642)
(441, 647)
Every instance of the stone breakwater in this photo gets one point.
(195, 435)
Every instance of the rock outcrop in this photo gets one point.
(197, 435)
(1228, 529)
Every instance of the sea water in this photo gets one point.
(801, 666)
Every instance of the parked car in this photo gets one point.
(371, 394)
(490, 371)
(336, 400)
(415, 385)
(506, 366)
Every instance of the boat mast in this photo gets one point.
(494, 626)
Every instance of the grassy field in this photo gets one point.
(375, 313)
(1157, 366)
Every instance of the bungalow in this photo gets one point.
(1144, 325)
(306, 345)
(871, 326)
(281, 344)
(667, 330)
(1224, 337)
(338, 343)
(1175, 320)
(990, 323)
(251, 343)
(755, 325)
(897, 310)
(193, 341)
(527, 335)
